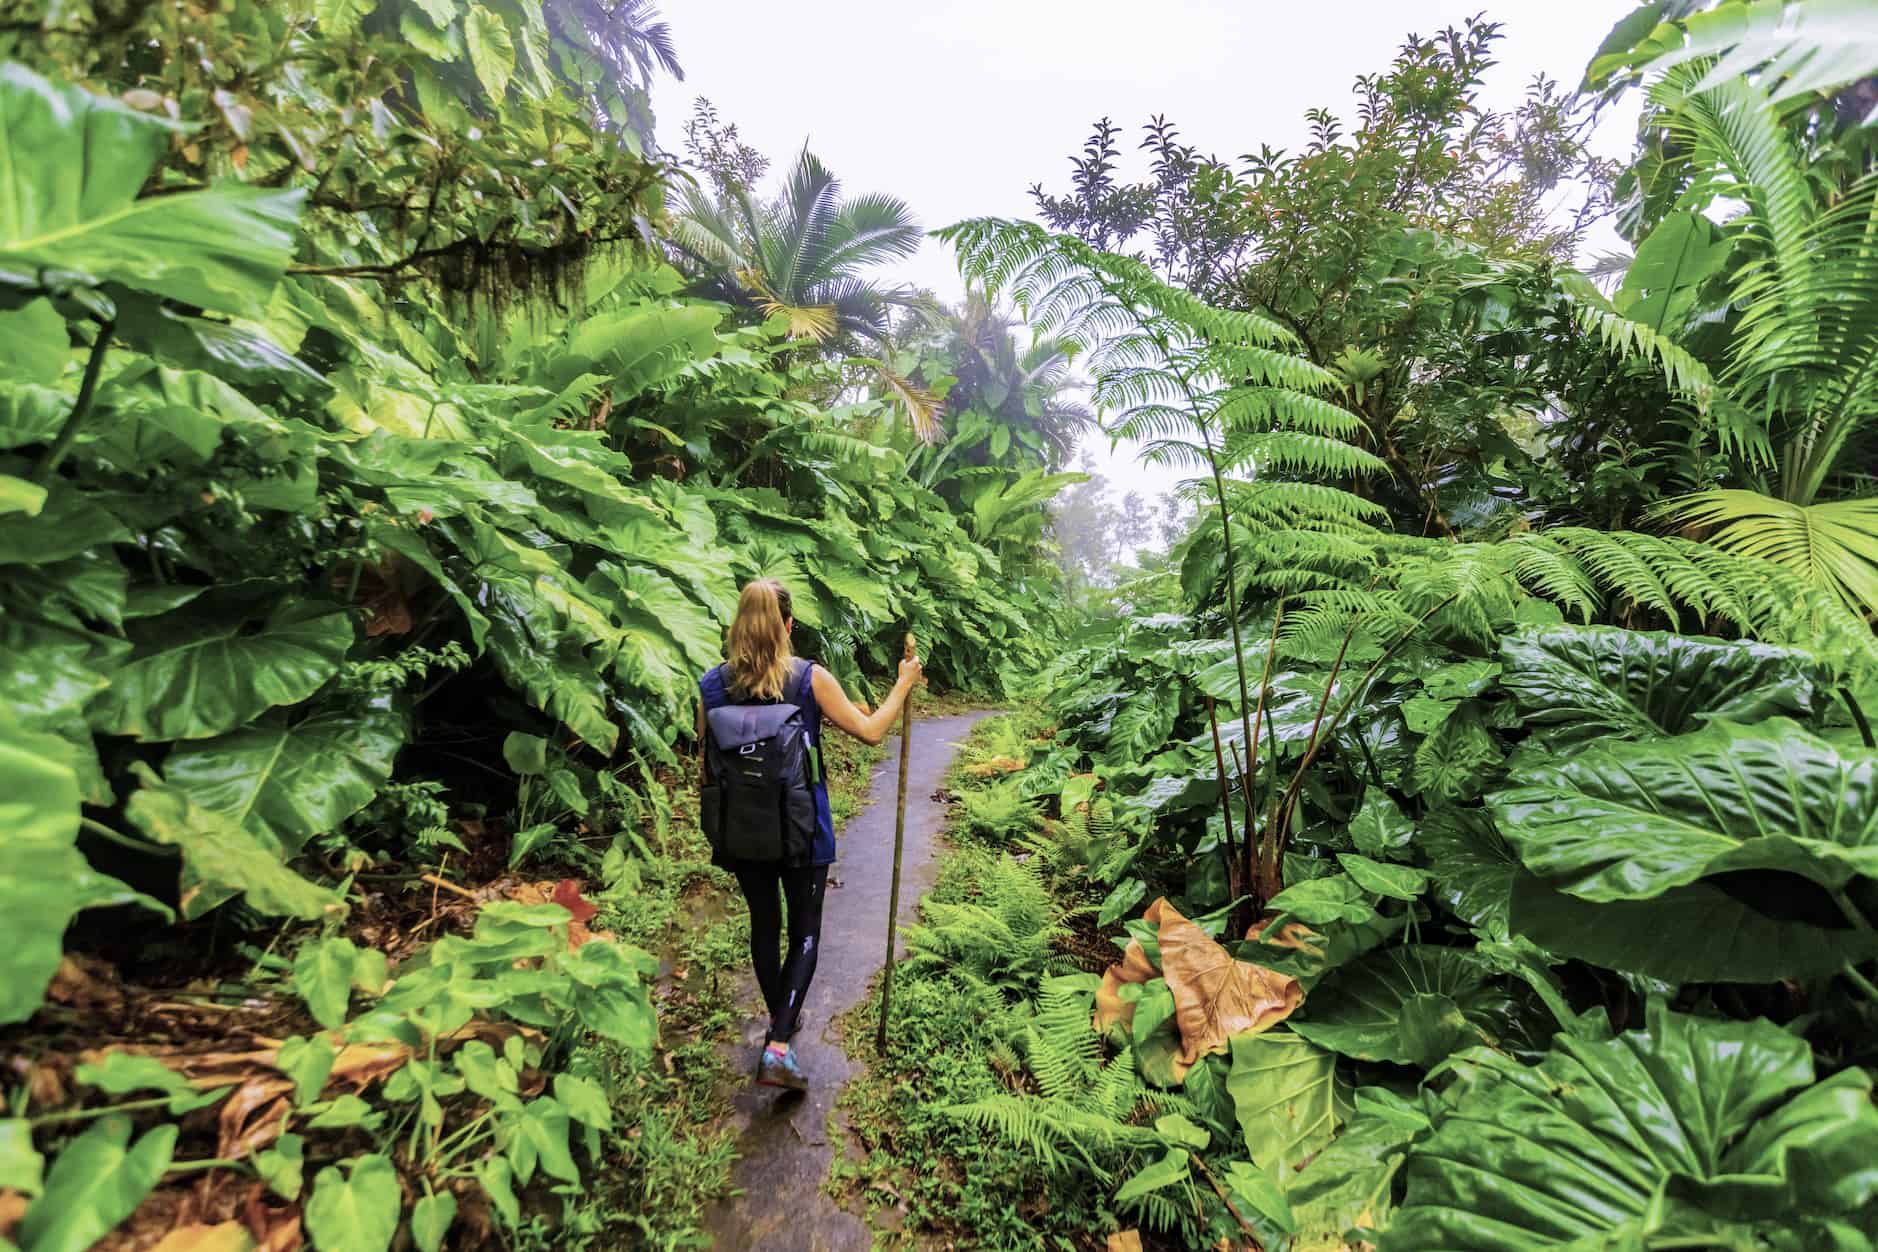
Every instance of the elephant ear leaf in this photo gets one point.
(68, 202)
(1592, 682)
(1409, 1005)
(221, 858)
(1580, 1151)
(1632, 820)
(95, 1183)
(39, 811)
(198, 674)
(1618, 841)
(1287, 1099)
(287, 783)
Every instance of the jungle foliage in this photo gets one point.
(1483, 786)
(373, 489)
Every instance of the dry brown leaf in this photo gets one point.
(221, 1237)
(86, 983)
(273, 1229)
(1125, 1241)
(995, 765)
(12, 1209)
(1291, 935)
(1110, 1008)
(254, 1116)
(1215, 996)
(556, 892)
(359, 1065)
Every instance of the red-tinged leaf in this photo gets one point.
(567, 895)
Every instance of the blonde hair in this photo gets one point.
(759, 640)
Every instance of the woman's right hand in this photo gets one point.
(911, 671)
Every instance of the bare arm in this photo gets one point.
(867, 727)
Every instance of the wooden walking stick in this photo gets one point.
(899, 844)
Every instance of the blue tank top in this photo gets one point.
(714, 690)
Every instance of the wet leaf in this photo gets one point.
(221, 1237)
(22, 1169)
(283, 1166)
(307, 1061)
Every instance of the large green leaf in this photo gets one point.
(1791, 47)
(355, 1210)
(1409, 1005)
(221, 858)
(1287, 1099)
(1697, 933)
(73, 166)
(289, 782)
(39, 813)
(195, 675)
(1591, 682)
(1142, 724)
(1348, 1183)
(1473, 866)
(1717, 1116)
(51, 672)
(95, 1183)
(66, 524)
(1685, 250)
(638, 348)
(1629, 821)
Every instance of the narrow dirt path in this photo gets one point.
(783, 1141)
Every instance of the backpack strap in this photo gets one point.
(805, 691)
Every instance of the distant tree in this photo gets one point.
(1400, 247)
(715, 149)
(1097, 535)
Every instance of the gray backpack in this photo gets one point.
(757, 801)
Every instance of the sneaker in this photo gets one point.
(779, 1069)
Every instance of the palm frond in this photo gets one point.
(1831, 545)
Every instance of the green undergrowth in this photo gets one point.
(1008, 913)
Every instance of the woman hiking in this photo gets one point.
(780, 852)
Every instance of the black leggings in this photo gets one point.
(785, 983)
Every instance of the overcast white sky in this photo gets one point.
(958, 106)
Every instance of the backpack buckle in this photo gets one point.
(748, 749)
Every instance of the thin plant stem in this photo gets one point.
(1362, 686)
(1275, 827)
(1858, 716)
(79, 1115)
(1859, 980)
(186, 1167)
(1225, 779)
(1252, 745)
(81, 407)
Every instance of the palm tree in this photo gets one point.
(628, 44)
(626, 34)
(801, 255)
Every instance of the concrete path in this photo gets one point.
(783, 1141)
